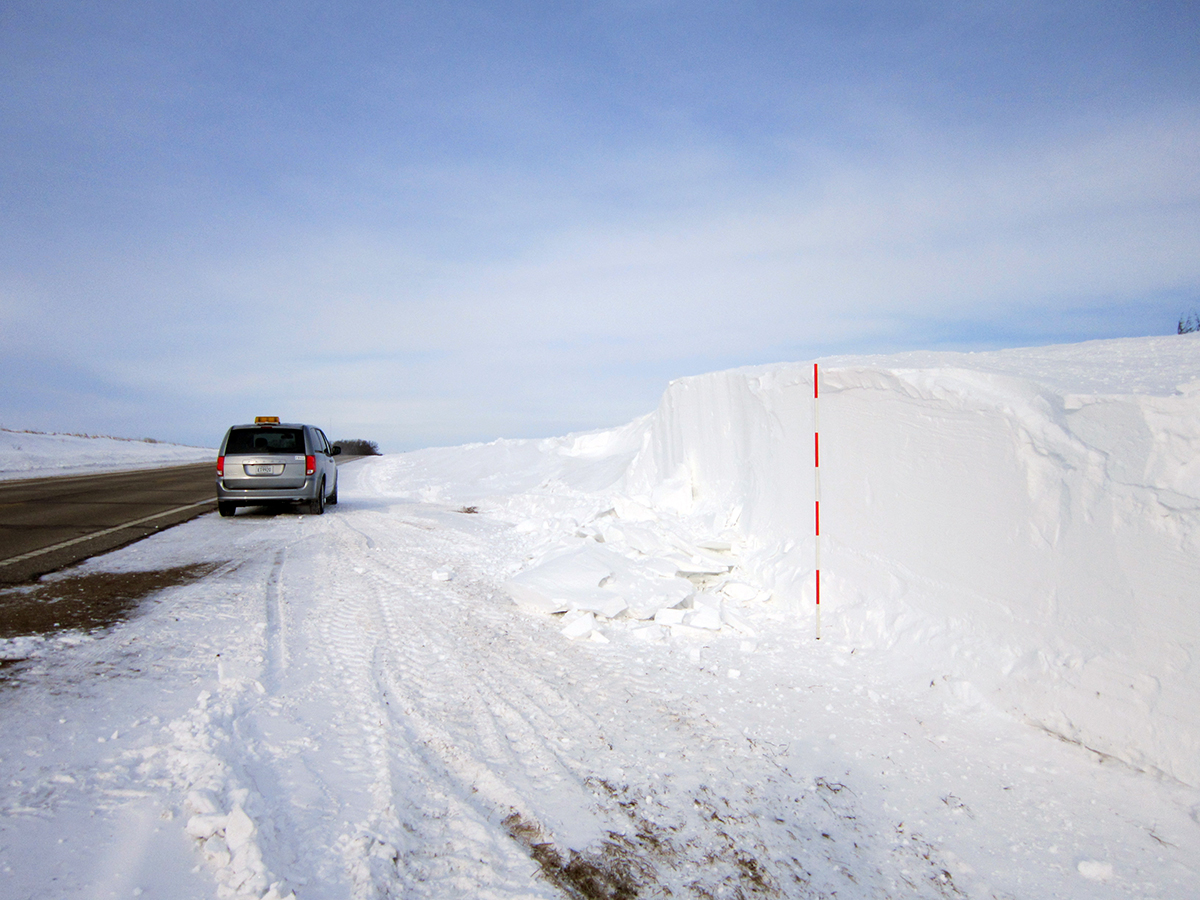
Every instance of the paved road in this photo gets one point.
(48, 523)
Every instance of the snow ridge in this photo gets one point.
(1037, 545)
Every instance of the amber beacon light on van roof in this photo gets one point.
(266, 420)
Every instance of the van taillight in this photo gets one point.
(220, 467)
(310, 465)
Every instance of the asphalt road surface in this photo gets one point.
(48, 523)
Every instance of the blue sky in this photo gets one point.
(432, 223)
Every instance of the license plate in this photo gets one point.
(261, 470)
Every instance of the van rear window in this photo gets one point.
(265, 440)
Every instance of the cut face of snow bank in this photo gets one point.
(1022, 535)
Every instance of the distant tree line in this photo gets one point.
(1188, 324)
(359, 447)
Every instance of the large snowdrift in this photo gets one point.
(1022, 526)
(1023, 523)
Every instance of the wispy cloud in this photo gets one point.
(439, 228)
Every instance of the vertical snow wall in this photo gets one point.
(1025, 545)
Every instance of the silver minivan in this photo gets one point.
(272, 463)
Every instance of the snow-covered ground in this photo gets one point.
(604, 682)
(33, 454)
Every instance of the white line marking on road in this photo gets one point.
(95, 534)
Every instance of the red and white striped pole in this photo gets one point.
(817, 484)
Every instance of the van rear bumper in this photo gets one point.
(305, 493)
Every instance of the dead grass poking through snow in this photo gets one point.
(614, 871)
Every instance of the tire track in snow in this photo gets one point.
(457, 847)
(421, 738)
(217, 748)
(339, 761)
(276, 625)
(501, 740)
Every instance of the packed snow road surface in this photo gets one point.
(584, 667)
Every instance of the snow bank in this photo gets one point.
(1024, 524)
(31, 454)
(1020, 528)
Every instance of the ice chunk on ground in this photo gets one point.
(739, 590)
(239, 829)
(203, 827)
(705, 617)
(579, 627)
(646, 589)
(1095, 870)
(570, 580)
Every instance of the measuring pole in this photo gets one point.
(817, 484)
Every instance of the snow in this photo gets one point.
(606, 675)
(1038, 540)
(34, 454)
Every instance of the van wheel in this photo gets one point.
(317, 505)
(332, 501)
(226, 509)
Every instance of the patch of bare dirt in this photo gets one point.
(86, 601)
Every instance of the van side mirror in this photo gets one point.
(336, 449)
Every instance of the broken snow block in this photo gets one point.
(570, 580)
(239, 829)
(632, 511)
(739, 590)
(669, 617)
(706, 617)
(699, 564)
(736, 622)
(202, 802)
(651, 634)
(205, 825)
(580, 627)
